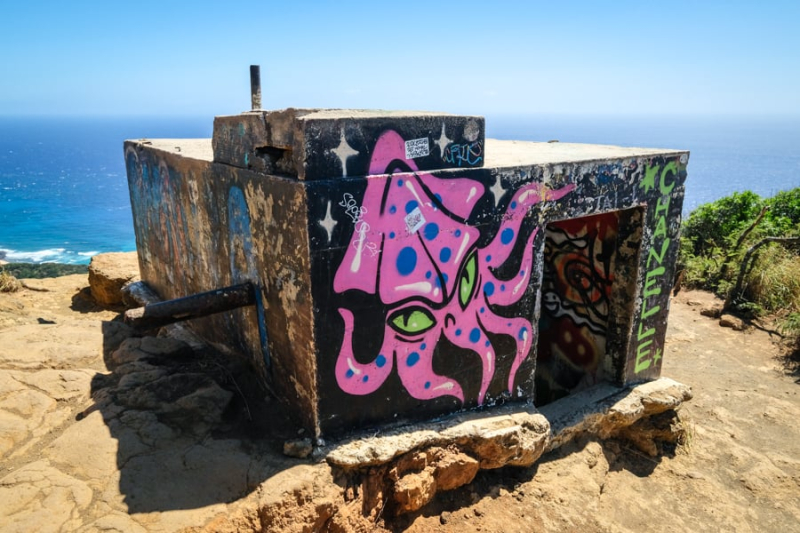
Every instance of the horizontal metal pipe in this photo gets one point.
(198, 305)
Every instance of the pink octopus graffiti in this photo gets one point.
(412, 246)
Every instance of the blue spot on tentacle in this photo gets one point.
(413, 359)
(406, 261)
(488, 288)
(431, 231)
(507, 236)
(380, 361)
(475, 335)
(444, 254)
(411, 205)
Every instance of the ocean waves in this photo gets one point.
(49, 255)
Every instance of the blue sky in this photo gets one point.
(479, 57)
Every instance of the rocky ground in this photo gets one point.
(105, 430)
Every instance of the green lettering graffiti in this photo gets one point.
(647, 313)
(652, 279)
(658, 257)
(641, 352)
(663, 178)
(646, 333)
(663, 207)
(661, 227)
(669, 167)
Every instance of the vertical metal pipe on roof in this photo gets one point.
(255, 87)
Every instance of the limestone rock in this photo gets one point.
(192, 401)
(109, 272)
(454, 470)
(37, 497)
(730, 321)
(413, 491)
(137, 349)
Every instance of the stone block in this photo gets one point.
(313, 144)
(108, 273)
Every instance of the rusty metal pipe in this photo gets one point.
(255, 87)
(198, 305)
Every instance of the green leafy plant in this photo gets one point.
(43, 270)
(746, 249)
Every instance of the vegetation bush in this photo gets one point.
(43, 270)
(763, 234)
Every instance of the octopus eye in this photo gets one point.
(466, 283)
(412, 320)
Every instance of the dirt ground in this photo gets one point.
(740, 470)
(64, 467)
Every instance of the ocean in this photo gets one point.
(64, 193)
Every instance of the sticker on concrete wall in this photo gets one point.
(414, 220)
(417, 148)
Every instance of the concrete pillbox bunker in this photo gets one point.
(400, 265)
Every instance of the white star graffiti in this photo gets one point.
(328, 223)
(343, 152)
(442, 141)
(497, 190)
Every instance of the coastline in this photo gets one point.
(41, 270)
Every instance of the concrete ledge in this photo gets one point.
(600, 411)
(410, 464)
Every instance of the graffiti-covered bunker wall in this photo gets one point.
(405, 265)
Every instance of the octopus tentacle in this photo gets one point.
(522, 333)
(415, 368)
(471, 335)
(525, 198)
(354, 377)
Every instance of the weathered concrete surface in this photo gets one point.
(344, 264)
(109, 272)
(202, 226)
(313, 144)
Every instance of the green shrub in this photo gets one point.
(774, 281)
(43, 270)
(717, 235)
(784, 210)
(711, 225)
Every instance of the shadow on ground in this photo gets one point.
(192, 429)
